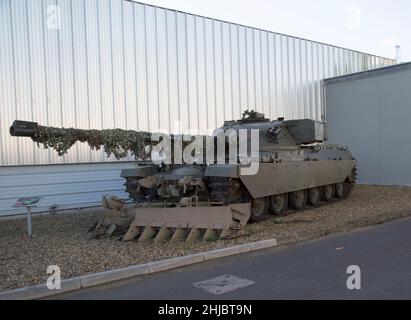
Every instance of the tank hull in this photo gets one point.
(279, 178)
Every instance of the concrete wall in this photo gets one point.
(370, 112)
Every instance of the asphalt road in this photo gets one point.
(312, 270)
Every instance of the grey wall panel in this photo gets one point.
(201, 75)
(242, 67)
(226, 71)
(162, 71)
(395, 117)
(346, 114)
(67, 186)
(80, 85)
(150, 16)
(141, 68)
(371, 114)
(218, 72)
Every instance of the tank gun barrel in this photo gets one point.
(117, 142)
(23, 128)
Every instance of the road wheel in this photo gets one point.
(259, 209)
(328, 192)
(278, 203)
(339, 190)
(298, 199)
(314, 196)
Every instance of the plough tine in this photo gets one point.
(148, 233)
(132, 232)
(210, 235)
(194, 235)
(163, 234)
(179, 235)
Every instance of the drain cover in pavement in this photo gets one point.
(222, 284)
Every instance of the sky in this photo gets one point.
(371, 26)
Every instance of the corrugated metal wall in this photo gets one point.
(68, 185)
(117, 63)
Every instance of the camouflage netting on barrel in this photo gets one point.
(116, 142)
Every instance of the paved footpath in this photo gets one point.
(312, 270)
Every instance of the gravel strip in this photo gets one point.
(61, 239)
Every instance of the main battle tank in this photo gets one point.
(209, 198)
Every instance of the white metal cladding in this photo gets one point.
(116, 63)
(67, 186)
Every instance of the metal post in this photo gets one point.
(29, 227)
